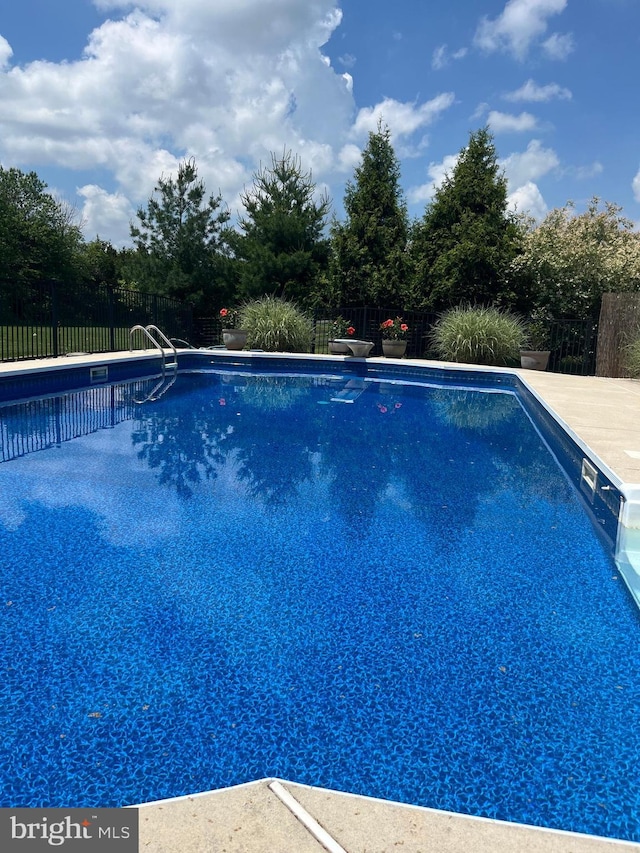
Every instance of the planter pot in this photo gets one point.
(394, 349)
(534, 359)
(360, 349)
(340, 346)
(234, 338)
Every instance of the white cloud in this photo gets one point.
(347, 60)
(106, 213)
(402, 118)
(6, 52)
(441, 56)
(479, 111)
(437, 173)
(558, 46)
(635, 186)
(531, 91)
(528, 199)
(349, 157)
(520, 24)
(244, 26)
(583, 173)
(529, 165)
(507, 123)
(225, 82)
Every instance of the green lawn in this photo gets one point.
(37, 341)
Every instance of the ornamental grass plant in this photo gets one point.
(479, 335)
(631, 358)
(275, 325)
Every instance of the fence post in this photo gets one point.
(110, 315)
(54, 318)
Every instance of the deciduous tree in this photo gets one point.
(39, 237)
(569, 260)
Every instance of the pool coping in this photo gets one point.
(252, 818)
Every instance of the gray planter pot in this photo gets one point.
(394, 349)
(234, 338)
(360, 349)
(339, 347)
(534, 359)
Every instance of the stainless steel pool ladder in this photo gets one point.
(158, 339)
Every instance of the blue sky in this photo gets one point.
(101, 98)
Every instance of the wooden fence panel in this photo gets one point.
(619, 323)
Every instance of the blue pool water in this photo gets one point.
(400, 596)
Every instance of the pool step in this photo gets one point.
(351, 391)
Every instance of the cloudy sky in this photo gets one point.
(101, 97)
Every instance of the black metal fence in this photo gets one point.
(572, 343)
(50, 318)
(366, 322)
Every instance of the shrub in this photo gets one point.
(479, 335)
(632, 358)
(276, 325)
(571, 364)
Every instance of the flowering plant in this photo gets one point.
(394, 330)
(341, 327)
(229, 317)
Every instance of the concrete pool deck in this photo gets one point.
(253, 819)
(271, 816)
(603, 413)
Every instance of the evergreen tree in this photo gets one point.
(182, 242)
(370, 263)
(466, 241)
(282, 250)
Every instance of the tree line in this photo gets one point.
(467, 247)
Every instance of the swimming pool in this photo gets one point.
(261, 576)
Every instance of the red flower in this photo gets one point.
(351, 330)
(387, 324)
(222, 401)
(382, 408)
(404, 327)
(224, 312)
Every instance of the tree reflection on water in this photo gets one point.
(276, 433)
